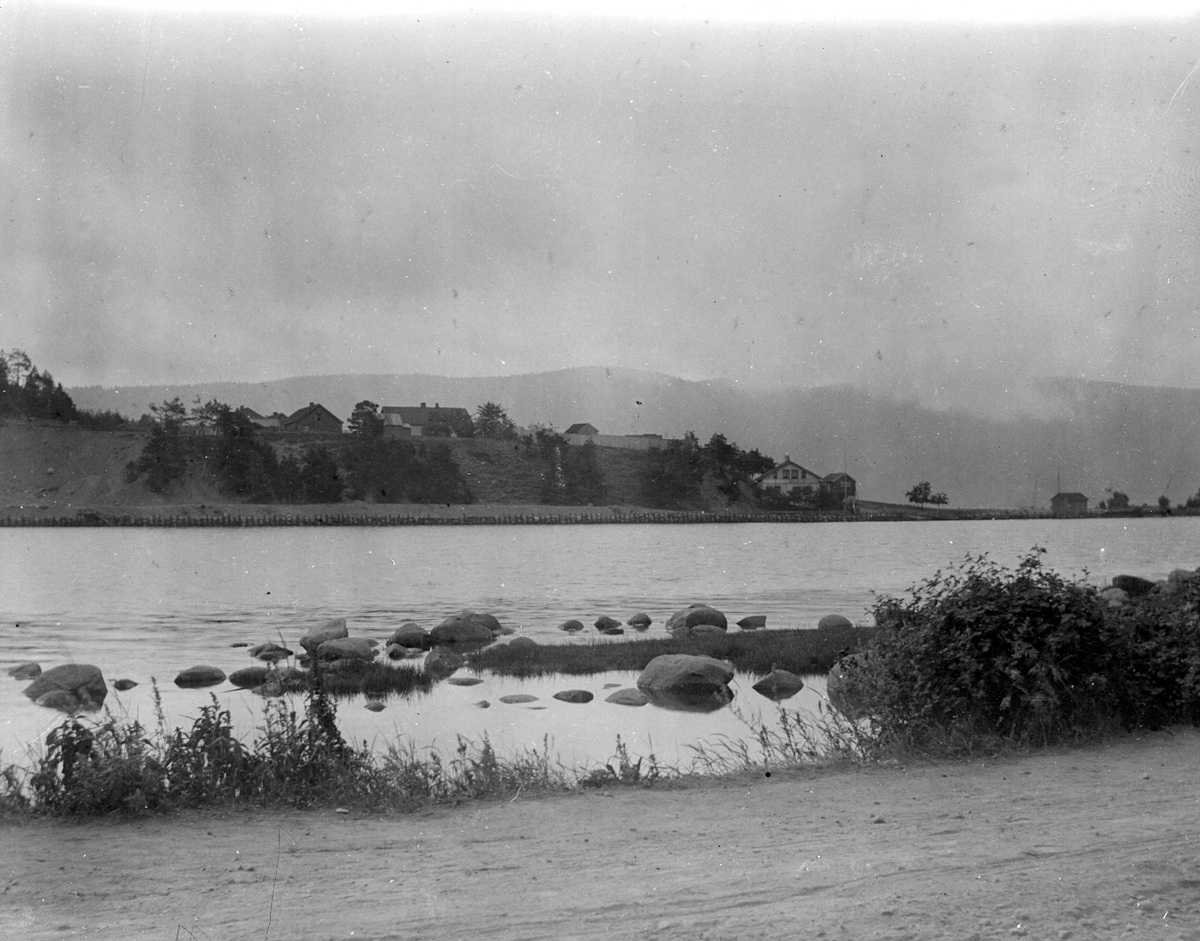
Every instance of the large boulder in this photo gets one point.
(834, 622)
(82, 683)
(330, 630)
(466, 627)
(687, 673)
(848, 686)
(410, 634)
(200, 676)
(697, 619)
(346, 648)
(1132, 585)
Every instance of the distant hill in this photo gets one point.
(1142, 440)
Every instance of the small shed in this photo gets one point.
(1069, 504)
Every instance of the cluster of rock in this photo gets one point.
(677, 681)
(1126, 587)
(693, 620)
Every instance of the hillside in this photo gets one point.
(1092, 436)
(55, 469)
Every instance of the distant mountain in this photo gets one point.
(1093, 436)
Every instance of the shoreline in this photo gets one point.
(241, 515)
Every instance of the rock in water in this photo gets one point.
(442, 661)
(199, 676)
(628, 697)
(640, 621)
(685, 673)
(833, 622)
(574, 695)
(697, 619)
(250, 677)
(779, 685)
(753, 622)
(466, 627)
(25, 671)
(346, 648)
(604, 624)
(410, 634)
(122, 685)
(330, 630)
(82, 680)
(571, 626)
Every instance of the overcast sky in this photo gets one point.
(935, 208)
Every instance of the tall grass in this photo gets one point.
(297, 759)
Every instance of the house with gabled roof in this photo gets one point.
(422, 421)
(789, 478)
(312, 419)
(582, 428)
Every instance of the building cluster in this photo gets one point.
(405, 421)
(788, 479)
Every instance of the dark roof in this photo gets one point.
(249, 412)
(582, 428)
(1072, 497)
(420, 414)
(834, 478)
(311, 408)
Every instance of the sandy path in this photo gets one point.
(1101, 843)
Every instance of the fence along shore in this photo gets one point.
(591, 516)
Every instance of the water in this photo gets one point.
(147, 603)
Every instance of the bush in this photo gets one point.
(981, 654)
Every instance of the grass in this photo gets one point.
(804, 652)
(298, 758)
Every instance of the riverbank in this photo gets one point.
(1079, 843)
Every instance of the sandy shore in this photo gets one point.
(1097, 843)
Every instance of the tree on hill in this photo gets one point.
(365, 420)
(492, 421)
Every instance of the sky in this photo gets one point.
(939, 208)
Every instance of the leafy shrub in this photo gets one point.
(982, 653)
(1159, 634)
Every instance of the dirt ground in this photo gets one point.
(1095, 843)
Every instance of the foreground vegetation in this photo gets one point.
(980, 657)
(977, 659)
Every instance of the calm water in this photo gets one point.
(147, 603)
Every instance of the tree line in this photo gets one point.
(29, 392)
